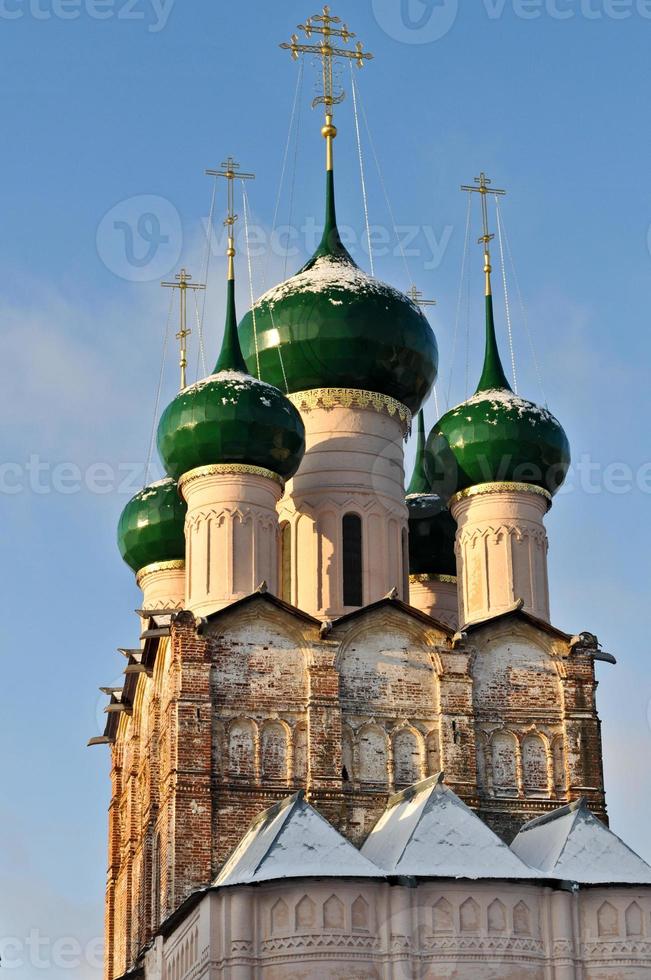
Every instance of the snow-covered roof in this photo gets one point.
(292, 840)
(428, 832)
(571, 844)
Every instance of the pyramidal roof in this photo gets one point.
(292, 840)
(428, 832)
(573, 845)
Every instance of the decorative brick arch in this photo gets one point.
(274, 751)
(504, 747)
(242, 748)
(373, 755)
(408, 755)
(534, 749)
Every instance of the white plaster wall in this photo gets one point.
(329, 930)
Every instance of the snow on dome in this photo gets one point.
(160, 483)
(236, 380)
(332, 273)
(231, 417)
(501, 397)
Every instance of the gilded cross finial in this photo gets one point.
(231, 171)
(483, 187)
(328, 29)
(183, 282)
(416, 297)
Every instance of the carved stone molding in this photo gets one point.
(229, 469)
(327, 398)
(319, 941)
(481, 489)
(495, 534)
(158, 566)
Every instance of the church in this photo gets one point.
(351, 743)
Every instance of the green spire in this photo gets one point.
(331, 243)
(231, 357)
(419, 482)
(492, 375)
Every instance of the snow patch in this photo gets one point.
(333, 273)
(150, 489)
(498, 398)
(236, 380)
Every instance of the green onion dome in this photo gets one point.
(231, 417)
(151, 526)
(334, 326)
(432, 529)
(496, 436)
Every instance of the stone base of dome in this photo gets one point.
(501, 548)
(436, 596)
(353, 468)
(231, 534)
(163, 585)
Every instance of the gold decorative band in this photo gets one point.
(481, 489)
(229, 469)
(427, 577)
(158, 566)
(351, 398)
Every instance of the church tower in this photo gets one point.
(231, 441)
(357, 358)
(351, 742)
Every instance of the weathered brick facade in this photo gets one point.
(232, 713)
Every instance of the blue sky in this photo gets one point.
(125, 113)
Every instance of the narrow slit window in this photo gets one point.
(352, 559)
(155, 884)
(286, 561)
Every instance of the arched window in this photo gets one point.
(352, 559)
(286, 561)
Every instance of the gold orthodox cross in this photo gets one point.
(231, 172)
(416, 297)
(328, 29)
(183, 282)
(483, 187)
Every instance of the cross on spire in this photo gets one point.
(328, 29)
(483, 187)
(183, 282)
(416, 297)
(231, 172)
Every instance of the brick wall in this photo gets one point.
(258, 704)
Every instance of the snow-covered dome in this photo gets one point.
(231, 417)
(151, 527)
(333, 326)
(496, 436)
